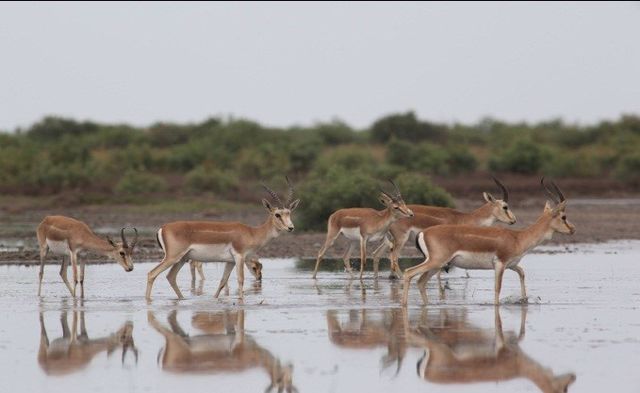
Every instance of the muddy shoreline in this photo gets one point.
(596, 220)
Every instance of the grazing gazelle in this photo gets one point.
(362, 225)
(428, 216)
(211, 241)
(457, 351)
(471, 247)
(67, 237)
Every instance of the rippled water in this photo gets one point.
(329, 335)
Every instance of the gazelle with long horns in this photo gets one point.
(471, 247)
(362, 225)
(67, 237)
(493, 210)
(229, 242)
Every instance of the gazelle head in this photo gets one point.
(559, 221)
(394, 202)
(124, 338)
(501, 210)
(255, 267)
(281, 212)
(122, 251)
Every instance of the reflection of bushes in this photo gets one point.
(136, 182)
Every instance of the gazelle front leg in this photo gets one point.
(378, 252)
(363, 254)
(523, 289)
(63, 274)
(74, 269)
(346, 258)
(44, 250)
(499, 270)
(81, 276)
(240, 273)
(396, 249)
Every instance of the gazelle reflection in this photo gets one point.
(368, 329)
(224, 348)
(456, 351)
(74, 351)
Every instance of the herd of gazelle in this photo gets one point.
(446, 237)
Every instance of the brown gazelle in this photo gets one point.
(74, 350)
(67, 237)
(456, 351)
(472, 247)
(212, 241)
(225, 348)
(363, 225)
(427, 216)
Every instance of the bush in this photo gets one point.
(524, 156)
(460, 160)
(421, 157)
(564, 164)
(204, 178)
(353, 158)
(628, 169)
(137, 182)
(406, 126)
(418, 189)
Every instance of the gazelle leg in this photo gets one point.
(346, 258)
(332, 234)
(172, 276)
(200, 270)
(428, 264)
(74, 270)
(398, 244)
(228, 268)
(499, 270)
(82, 278)
(363, 254)
(378, 252)
(44, 250)
(422, 283)
(63, 274)
(155, 272)
(523, 289)
(192, 268)
(240, 273)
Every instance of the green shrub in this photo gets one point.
(628, 169)
(418, 157)
(348, 157)
(204, 178)
(138, 182)
(565, 164)
(406, 126)
(461, 160)
(418, 189)
(523, 156)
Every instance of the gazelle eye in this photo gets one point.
(277, 215)
(121, 253)
(505, 208)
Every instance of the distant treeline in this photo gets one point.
(228, 157)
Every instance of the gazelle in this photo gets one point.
(471, 247)
(74, 351)
(229, 242)
(363, 225)
(67, 237)
(225, 348)
(458, 352)
(427, 216)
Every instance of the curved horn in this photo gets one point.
(290, 193)
(505, 193)
(273, 194)
(135, 239)
(557, 189)
(398, 194)
(548, 191)
(124, 241)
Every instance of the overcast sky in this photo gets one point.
(284, 64)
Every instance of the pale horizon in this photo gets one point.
(299, 64)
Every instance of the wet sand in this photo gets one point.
(329, 335)
(596, 220)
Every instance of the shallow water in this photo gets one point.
(329, 335)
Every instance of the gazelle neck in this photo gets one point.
(482, 216)
(265, 232)
(96, 244)
(536, 233)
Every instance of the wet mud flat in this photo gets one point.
(581, 329)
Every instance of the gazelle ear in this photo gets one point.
(266, 204)
(384, 199)
(293, 205)
(547, 207)
(111, 241)
(488, 197)
(559, 208)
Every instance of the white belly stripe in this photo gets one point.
(58, 247)
(473, 260)
(211, 252)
